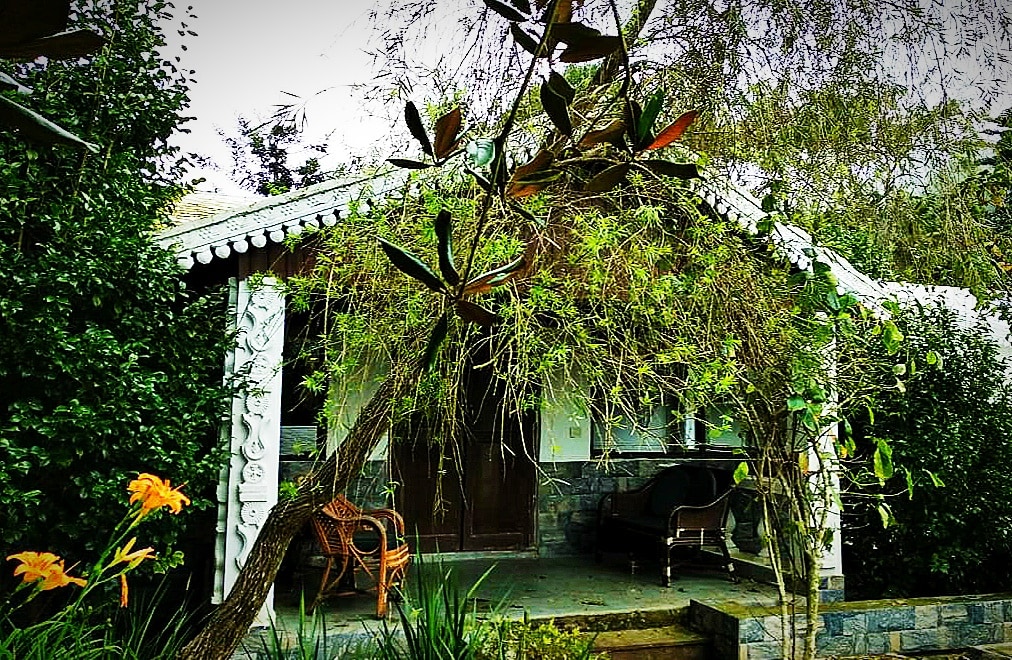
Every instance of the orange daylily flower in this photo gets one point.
(153, 493)
(123, 555)
(123, 591)
(44, 568)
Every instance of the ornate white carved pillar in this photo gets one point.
(249, 487)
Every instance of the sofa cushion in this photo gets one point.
(670, 489)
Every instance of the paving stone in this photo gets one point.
(763, 651)
(838, 645)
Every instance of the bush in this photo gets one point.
(955, 422)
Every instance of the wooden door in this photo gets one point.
(479, 492)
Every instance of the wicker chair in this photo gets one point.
(371, 540)
(678, 508)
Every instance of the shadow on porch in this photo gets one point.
(574, 591)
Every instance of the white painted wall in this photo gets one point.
(565, 423)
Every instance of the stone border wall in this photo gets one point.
(861, 627)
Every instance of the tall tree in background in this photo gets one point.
(108, 366)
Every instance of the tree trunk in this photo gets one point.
(233, 618)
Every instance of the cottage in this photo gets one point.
(540, 495)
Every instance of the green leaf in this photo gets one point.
(526, 41)
(573, 32)
(612, 134)
(477, 314)
(650, 112)
(408, 164)
(885, 514)
(935, 479)
(494, 277)
(436, 340)
(900, 369)
(796, 402)
(561, 86)
(556, 108)
(410, 265)
(934, 358)
(593, 48)
(34, 126)
(882, 460)
(444, 223)
(741, 472)
(891, 337)
(414, 122)
(608, 179)
(8, 83)
(482, 182)
(504, 10)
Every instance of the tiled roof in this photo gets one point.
(213, 227)
(200, 205)
(201, 238)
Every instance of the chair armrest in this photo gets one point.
(391, 515)
(708, 516)
(375, 525)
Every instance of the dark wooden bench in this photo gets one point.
(684, 506)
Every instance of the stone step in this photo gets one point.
(665, 643)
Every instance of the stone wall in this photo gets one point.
(861, 627)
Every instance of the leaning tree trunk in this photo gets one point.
(230, 622)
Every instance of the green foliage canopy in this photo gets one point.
(108, 367)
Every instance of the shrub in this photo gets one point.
(954, 422)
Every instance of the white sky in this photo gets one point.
(245, 57)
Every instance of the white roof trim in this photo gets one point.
(271, 219)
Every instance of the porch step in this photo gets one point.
(667, 643)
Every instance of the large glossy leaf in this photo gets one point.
(34, 126)
(526, 41)
(649, 117)
(444, 235)
(540, 162)
(8, 83)
(556, 108)
(436, 340)
(414, 122)
(75, 43)
(592, 48)
(406, 262)
(495, 277)
(563, 12)
(474, 313)
(482, 182)
(447, 129)
(504, 10)
(612, 133)
(684, 171)
(561, 86)
(674, 131)
(608, 179)
(24, 20)
(408, 164)
(633, 112)
(571, 33)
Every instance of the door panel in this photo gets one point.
(487, 493)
